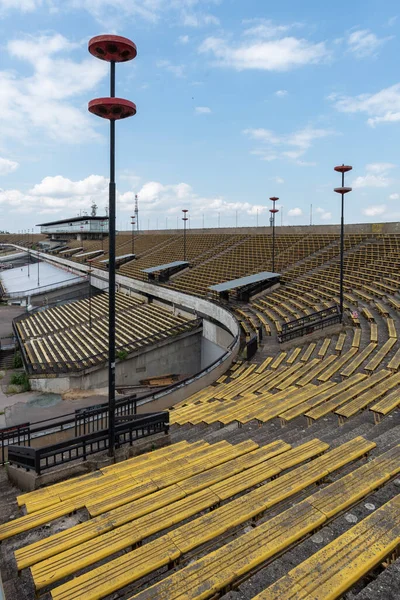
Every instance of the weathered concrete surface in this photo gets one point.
(7, 314)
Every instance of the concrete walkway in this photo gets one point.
(37, 406)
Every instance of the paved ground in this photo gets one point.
(7, 314)
(25, 279)
(36, 406)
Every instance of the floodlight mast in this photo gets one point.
(342, 190)
(113, 49)
(273, 212)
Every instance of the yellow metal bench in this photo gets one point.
(380, 355)
(80, 556)
(385, 406)
(325, 408)
(391, 328)
(337, 365)
(340, 342)
(128, 512)
(324, 348)
(394, 363)
(329, 573)
(197, 532)
(360, 403)
(358, 360)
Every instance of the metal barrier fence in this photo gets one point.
(79, 448)
(309, 323)
(83, 421)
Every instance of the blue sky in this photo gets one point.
(237, 101)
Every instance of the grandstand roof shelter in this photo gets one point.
(162, 273)
(119, 260)
(246, 286)
(86, 227)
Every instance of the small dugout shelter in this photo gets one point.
(245, 287)
(162, 273)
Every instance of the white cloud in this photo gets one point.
(199, 19)
(187, 12)
(279, 180)
(292, 145)
(281, 93)
(177, 70)
(60, 186)
(265, 49)
(295, 212)
(394, 197)
(22, 5)
(306, 163)
(183, 39)
(64, 197)
(38, 103)
(379, 167)
(7, 166)
(374, 210)
(384, 106)
(376, 176)
(113, 13)
(364, 43)
(265, 28)
(202, 110)
(324, 215)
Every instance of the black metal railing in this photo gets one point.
(79, 448)
(309, 323)
(17, 434)
(83, 421)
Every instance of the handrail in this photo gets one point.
(311, 318)
(40, 459)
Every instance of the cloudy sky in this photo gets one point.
(237, 101)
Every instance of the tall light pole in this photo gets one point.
(342, 190)
(90, 295)
(112, 48)
(184, 219)
(273, 212)
(133, 233)
(38, 263)
(137, 212)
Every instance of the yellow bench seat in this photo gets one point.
(329, 573)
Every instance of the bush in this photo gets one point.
(122, 354)
(21, 379)
(17, 360)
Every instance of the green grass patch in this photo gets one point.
(21, 379)
(17, 360)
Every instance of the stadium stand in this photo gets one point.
(62, 339)
(261, 460)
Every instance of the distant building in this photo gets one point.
(79, 228)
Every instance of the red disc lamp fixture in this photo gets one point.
(273, 212)
(113, 49)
